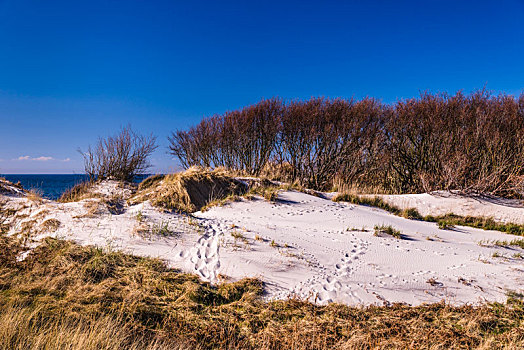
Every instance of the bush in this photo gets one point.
(470, 143)
(120, 157)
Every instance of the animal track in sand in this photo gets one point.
(333, 283)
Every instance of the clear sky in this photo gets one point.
(71, 71)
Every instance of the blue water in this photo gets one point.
(51, 186)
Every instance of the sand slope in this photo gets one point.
(300, 245)
(443, 202)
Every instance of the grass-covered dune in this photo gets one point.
(67, 296)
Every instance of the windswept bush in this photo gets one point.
(469, 143)
(120, 157)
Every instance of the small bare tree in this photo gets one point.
(120, 157)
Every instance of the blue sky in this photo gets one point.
(72, 71)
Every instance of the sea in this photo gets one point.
(51, 186)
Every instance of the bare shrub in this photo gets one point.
(120, 157)
(469, 143)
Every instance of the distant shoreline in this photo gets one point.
(51, 186)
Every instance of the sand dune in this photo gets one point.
(304, 245)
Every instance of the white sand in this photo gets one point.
(306, 246)
(441, 203)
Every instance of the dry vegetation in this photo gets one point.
(188, 191)
(467, 143)
(78, 192)
(387, 230)
(120, 157)
(447, 221)
(7, 187)
(67, 296)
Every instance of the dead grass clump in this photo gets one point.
(7, 187)
(77, 192)
(150, 181)
(50, 225)
(35, 195)
(27, 229)
(189, 191)
(5, 218)
(269, 193)
(115, 205)
(113, 295)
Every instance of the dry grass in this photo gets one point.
(5, 218)
(67, 296)
(50, 225)
(77, 192)
(92, 209)
(22, 328)
(221, 202)
(7, 187)
(35, 195)
(201, 189)
(188, 191)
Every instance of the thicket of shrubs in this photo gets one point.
(437, 141)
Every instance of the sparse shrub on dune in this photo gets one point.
(120, 157)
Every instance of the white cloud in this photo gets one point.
(41, 159)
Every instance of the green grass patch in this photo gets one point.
(506, 244)
(446, 222)
(388, 230)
